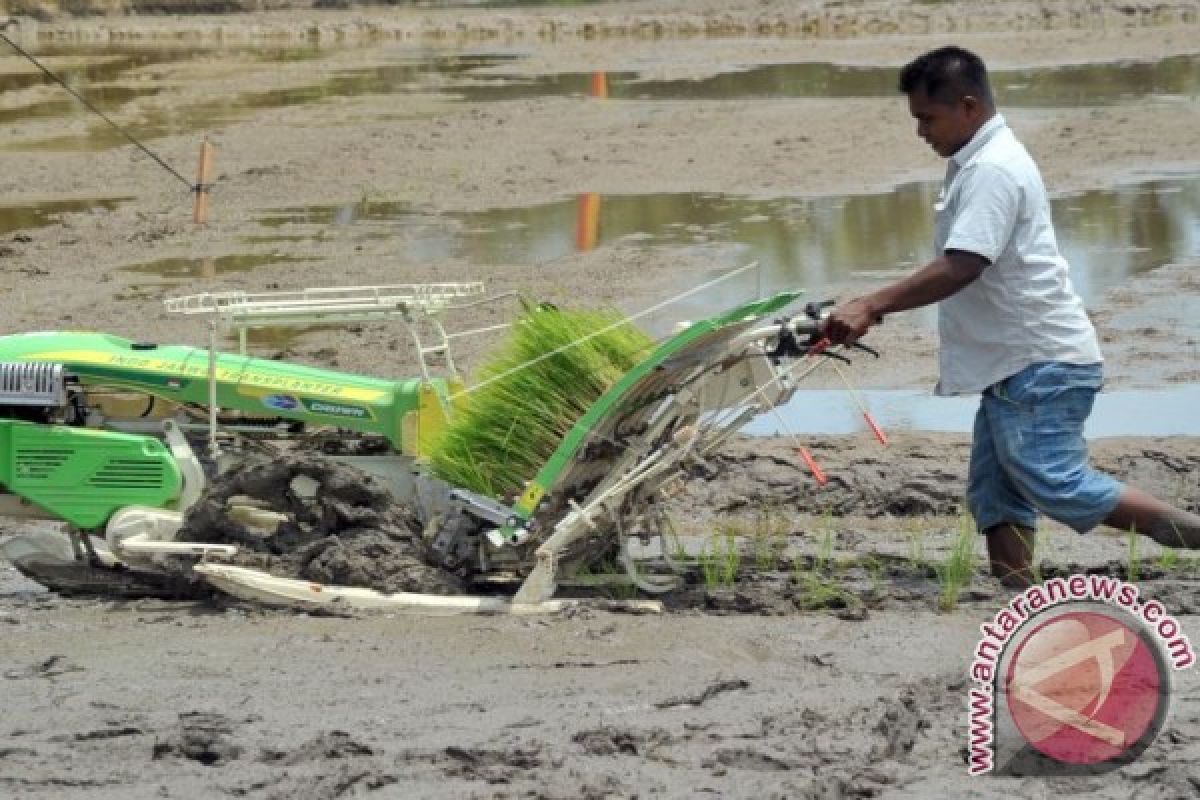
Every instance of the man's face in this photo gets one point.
(945, 126)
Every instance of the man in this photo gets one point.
(1011, 327)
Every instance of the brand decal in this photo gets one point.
(281, 402)
(337, 409)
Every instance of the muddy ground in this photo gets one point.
(764, 689)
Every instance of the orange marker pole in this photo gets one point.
(203, 177)
(587, 222)
(600, 85)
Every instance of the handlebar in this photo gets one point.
(804, 334)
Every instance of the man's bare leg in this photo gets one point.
(1146, 514)
(1010, 548)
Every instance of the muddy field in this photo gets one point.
(832, 668)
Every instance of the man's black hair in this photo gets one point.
(947, 75)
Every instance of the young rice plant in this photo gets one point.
(553, 366)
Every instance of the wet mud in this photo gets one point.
(915, 475)
(336, 525)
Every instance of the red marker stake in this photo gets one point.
(878, 431)
(815, 468)
(862, 406)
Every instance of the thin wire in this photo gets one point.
(604, 330)
(191, 187)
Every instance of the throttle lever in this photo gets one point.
(838, 356)
(865, 349)
(813, 310)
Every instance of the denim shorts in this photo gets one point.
(1029, 455)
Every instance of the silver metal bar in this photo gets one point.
(214, 449)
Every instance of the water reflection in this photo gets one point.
(87, 66)
(105, 98)
(177, 269)
(99, 75)
(37, 215)
(1122, 413)
(809, 242)
(473, 77)
(1074, 85)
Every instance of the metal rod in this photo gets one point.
(213, 448)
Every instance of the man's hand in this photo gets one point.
(849, 321)
(936, 281)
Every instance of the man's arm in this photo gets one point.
(936, 281)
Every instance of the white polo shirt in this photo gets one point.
(1023, 308)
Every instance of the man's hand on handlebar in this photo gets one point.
(850, 321)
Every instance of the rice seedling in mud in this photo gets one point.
(769, 538)
(824, 557)
(916, 545)
(553, 366)
(817, 583)
(876, 570)
(1169, 559)
(677, 550)
(1133, 565)
(721, 558)
(816, 590)
(956, 571)
(1041, 552)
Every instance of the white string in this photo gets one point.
(606, 329)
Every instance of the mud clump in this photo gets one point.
(328, 745)
(312, 519)
(491, 766)
(610, 741)
(203, 737)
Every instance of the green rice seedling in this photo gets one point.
(710, 567)
(770, 539)
(1041, 553)
(916, 545)
(875, 569)
(673, 541)
(1134, 562)
(956, 572)
(721, 559)
(731, 558)
(1169, 559)
(817, 591)
(818, 585)
(824, 557)
(553, 367)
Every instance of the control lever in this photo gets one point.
(813, 310)
(864, 348)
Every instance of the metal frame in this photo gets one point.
(410, 303)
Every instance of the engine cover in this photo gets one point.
(82, 475)
(32, 384)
